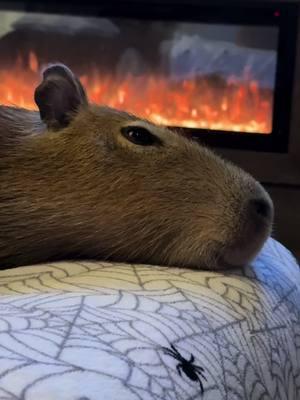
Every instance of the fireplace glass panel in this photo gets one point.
(217, 77)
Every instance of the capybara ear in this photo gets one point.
(59, 96)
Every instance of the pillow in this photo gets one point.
(97, 330)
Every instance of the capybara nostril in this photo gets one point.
(261, 207)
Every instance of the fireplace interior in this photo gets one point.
(219, 80)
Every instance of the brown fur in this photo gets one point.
(84, 191)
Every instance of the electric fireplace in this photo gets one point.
(222, 73)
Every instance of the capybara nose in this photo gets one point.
(261, 208)
(255, 230)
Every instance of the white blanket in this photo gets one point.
(95, 330)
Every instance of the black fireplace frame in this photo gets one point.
(282, 15)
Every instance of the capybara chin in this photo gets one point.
(90, 182)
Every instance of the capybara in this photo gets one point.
(82, 181)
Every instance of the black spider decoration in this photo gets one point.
(192, 371)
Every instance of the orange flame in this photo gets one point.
(207, 103)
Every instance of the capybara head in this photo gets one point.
(84, 181)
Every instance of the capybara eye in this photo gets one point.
(139, 135)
